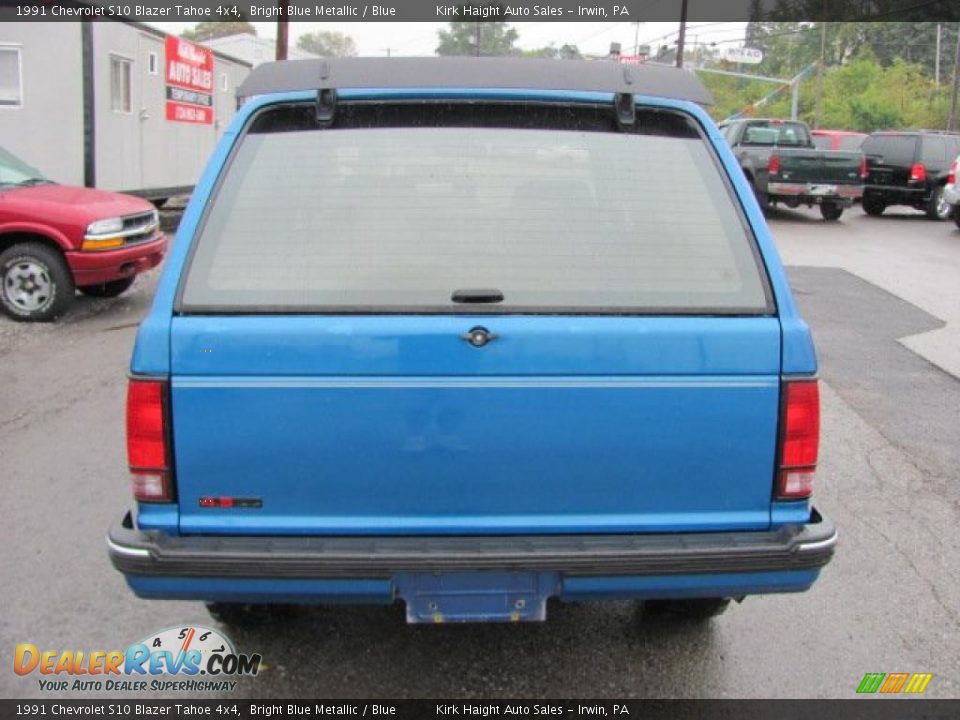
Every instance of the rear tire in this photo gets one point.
(831, 211)
(762, 198)
(35, 282)
(241, 615)
(108, 289)
(873, 206)
(956, 215)
(937, 207)
(698, 609)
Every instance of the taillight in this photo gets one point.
(864, 170)
(918, 173)
(148, 451)
(773, 165)
(952, 174)
(799, 439)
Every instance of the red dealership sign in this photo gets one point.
(189, 81)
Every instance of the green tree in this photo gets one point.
(790, 46)
(209, 30)
(861, 95)
(328, 44)
(551, 52)
(460, 38)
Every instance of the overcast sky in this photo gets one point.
(411, 38)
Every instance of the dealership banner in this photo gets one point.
(195, 11)
(189, 79)
(487, 708)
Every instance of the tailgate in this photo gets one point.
(890, 157)
(322, 374)
(884, 175)
(820, 166)
(397, 425)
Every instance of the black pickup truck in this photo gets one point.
(783, 165)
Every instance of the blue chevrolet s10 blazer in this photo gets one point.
(471, 334)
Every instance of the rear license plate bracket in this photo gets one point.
(481, 596)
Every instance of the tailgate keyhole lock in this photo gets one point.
(479, 336)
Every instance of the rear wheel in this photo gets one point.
(247, 615)
(937, 206)
(108, 289)
(35, 282)
(831, 211)
(956, 215)
(689, 609)
(873, 205)
(762, 198)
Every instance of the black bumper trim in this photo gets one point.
(152, 553)
(898, 195)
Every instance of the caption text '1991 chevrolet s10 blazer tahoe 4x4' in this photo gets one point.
(472, 334)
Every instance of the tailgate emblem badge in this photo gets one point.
(231, 502)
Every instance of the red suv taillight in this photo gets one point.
(799, 439)
(773, 165)
(952, 174)
(864, 170)
(918, 173)
(148, 450)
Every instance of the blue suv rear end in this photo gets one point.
(472, 334)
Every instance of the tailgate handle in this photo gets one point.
(479, 336)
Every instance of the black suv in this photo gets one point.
(909, 168)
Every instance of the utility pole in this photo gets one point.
(683, 33)
(387, 51)
(952, 120)
(823, 54)
(283, 27)
(636, 40)
(936, 62)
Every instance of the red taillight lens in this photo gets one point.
(952, 174)
(773, 165)
(147, 450)
(799, 439)
(864, 170)
(918, 173)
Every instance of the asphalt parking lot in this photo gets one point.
(883, 298)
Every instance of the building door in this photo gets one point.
(154, 160)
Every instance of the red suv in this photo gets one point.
(55, 239)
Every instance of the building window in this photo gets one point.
(224, 82)
(120, 84)
(152, 63)
(11, 91)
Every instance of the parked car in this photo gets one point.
(783, 166)
(55, 239)
(909, 168)
(837, 139)
(951, 191)
(431, 334)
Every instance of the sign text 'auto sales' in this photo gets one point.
(189, 80)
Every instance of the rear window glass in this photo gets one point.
(891, 149)
(934, 150)
(567, 215)
(851, 142)
(780, 133)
